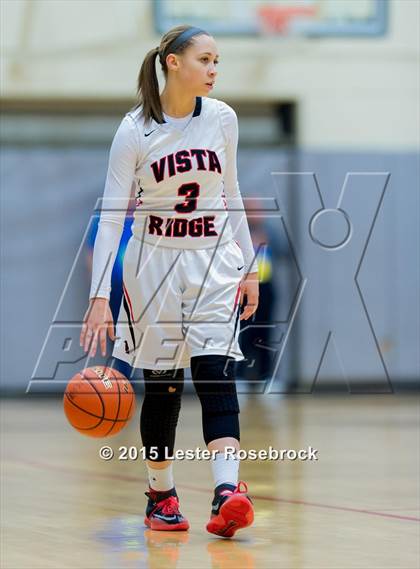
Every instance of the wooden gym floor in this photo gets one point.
(356, 507)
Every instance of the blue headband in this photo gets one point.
(183, 38)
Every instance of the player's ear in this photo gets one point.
(172, 62)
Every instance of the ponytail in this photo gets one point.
(148, 87)
(175, 41)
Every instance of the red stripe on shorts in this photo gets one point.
(129, 302)
(237, 296)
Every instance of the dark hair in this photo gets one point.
(147, 82)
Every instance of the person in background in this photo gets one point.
(255, 335)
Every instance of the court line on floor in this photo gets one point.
(129, 478)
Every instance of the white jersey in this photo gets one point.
(184, 182)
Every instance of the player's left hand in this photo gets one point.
(249, 287)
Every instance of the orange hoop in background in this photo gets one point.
(276, 19)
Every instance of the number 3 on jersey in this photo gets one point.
(191, 191)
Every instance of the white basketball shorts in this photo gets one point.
(178, 303)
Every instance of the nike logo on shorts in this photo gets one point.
(239, 268)
(149, 133)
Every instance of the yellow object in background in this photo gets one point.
(265, 266)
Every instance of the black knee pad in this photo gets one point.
(160, 411)
(220, 425)
(214, 380)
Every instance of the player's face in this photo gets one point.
(197, 69)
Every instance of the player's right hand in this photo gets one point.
(96, 323)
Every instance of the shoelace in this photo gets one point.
(237, 490)
(170, 506)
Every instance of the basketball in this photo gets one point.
(99, 401)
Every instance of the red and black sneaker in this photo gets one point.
(231, 510)
(162, 511)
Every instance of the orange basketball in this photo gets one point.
(99, 401)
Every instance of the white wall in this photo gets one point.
(352, 93)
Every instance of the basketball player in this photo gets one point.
(187, 269)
